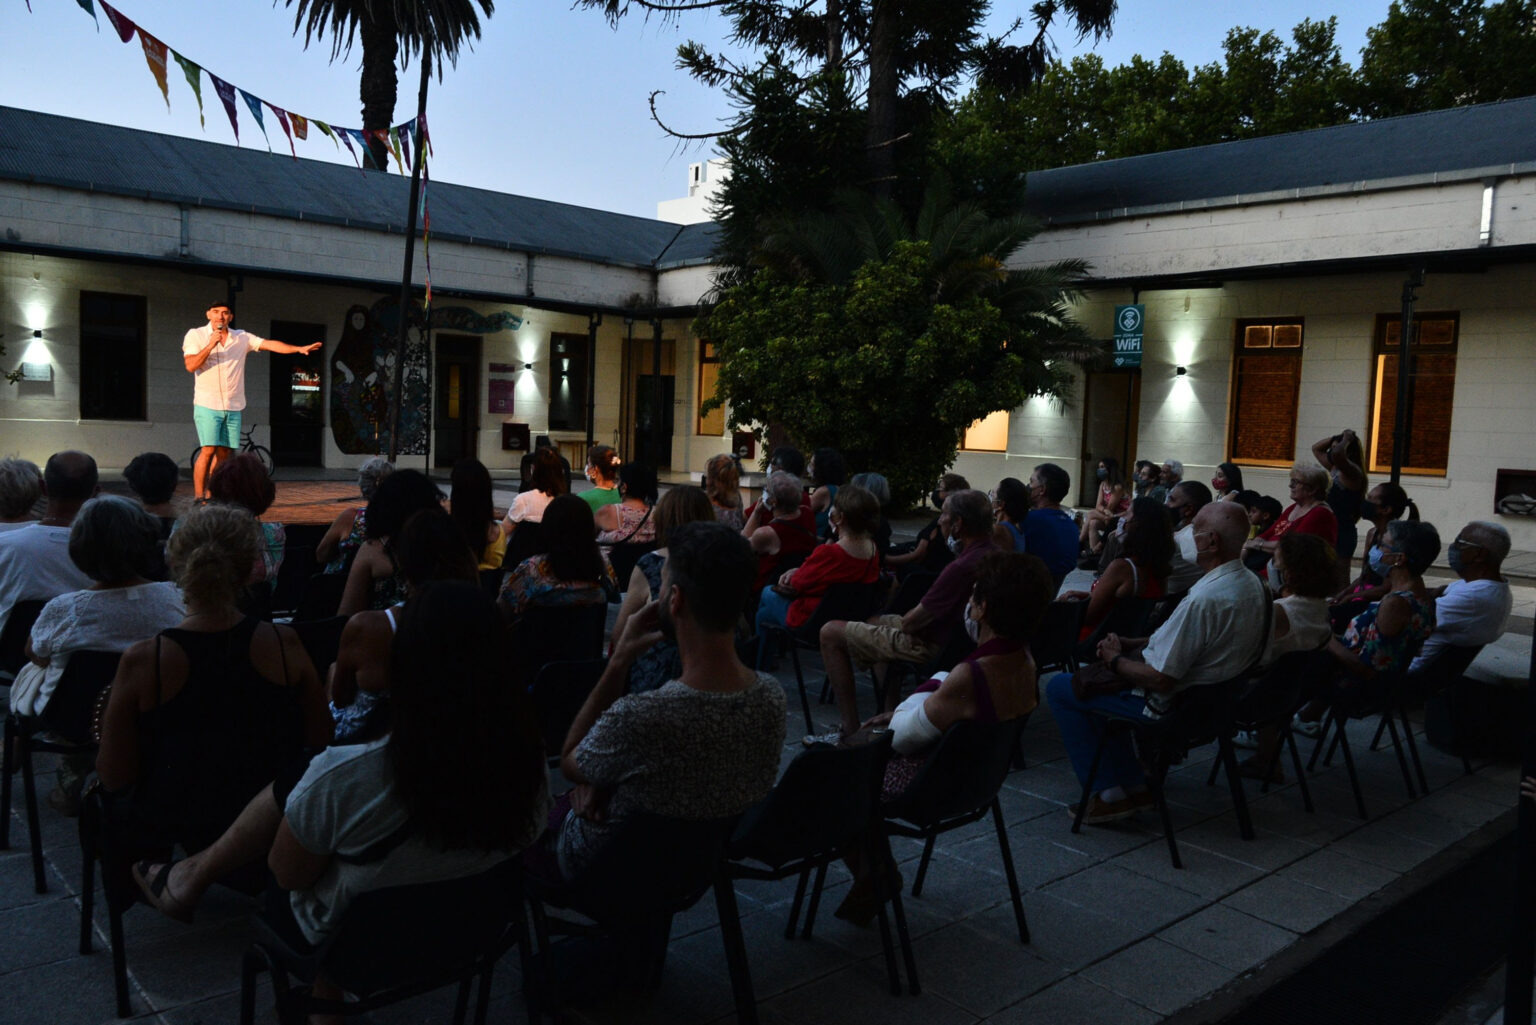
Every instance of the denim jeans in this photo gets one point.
(1080, 733)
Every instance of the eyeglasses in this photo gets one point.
(1459, 544)
(1298, 483)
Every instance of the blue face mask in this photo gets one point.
(1101, 473)
(1276, 578)
(1379, 564)
(1453, 558)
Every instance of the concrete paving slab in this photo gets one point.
(1110, 889)
(1288, 903)
(1064, 934)
(1338, 874)
(1158, 975)
(980, 971)
(1076, 1001)
(1205, 873)
(857, 995)
(1228, 937)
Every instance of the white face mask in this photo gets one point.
(1188, 550)
(972, 626)
(954, 544)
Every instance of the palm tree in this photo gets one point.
(434, 30)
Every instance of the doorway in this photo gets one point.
(296, 396)
(650, 403)
(1111, 410)
(456, 411)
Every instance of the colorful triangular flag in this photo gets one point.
(404, 135)
(227, 95)
(125, 27)
(282, 119)
(328, 132)
(300, 125)
(154, 56)
(91, 10)
(254, 102)
(346, 135)
(394, 148)
(195, 79)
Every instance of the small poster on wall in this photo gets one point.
(501, 382)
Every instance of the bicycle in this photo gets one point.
(247, 446)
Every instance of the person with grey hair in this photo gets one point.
(1474, 609)
(1171, 473)
(918, 636)
(34, 560)
(877, 485)
(114, 543)
(347, 531)
(21, 485)
(777, 532)
(1218, 630)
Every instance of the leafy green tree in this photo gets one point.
(435, 30)
(886, 336)
(1432, 54)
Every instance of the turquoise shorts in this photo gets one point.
(217, 427)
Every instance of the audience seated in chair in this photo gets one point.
(21, 485)
(471, 507)
(928, 553)
(348, 531)
(34, 558)
(777, 530)
(241, 480)
(1474, 609)
(573, 572)
(1383, 503)
(1184, 502)
(919, 635)
(211, 716)
(1114, 501)
(430, 547)
(1214, 634)
(1010, 507)
(548, 483)
(628, 521)
(114, 542)
(1141, 571)
(153, 476)
(1049, 532)
(660, 662)
(995, 683)
(704, 746)
(375, 582)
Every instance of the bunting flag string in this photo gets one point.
(396, 140)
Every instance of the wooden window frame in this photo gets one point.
(1383, 344)
(1007, 426)
(1292, 352)
(703, 423)
(142, 329)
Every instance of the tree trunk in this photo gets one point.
(377, 90)
(881, 133)
(834, 35)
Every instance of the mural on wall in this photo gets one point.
(363, 368)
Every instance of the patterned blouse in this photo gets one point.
(1390, 654)
(533, 583)
(348, 545)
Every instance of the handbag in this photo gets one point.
(1096, 680)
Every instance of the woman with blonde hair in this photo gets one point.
(1308, 513)
(722, 483)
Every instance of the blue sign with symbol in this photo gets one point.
(1128, 327)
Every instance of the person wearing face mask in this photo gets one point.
(1185, 500)
(1214, 634)
(1227, 483)
(1474, 609)
(1048, 531)
(1384, 503)
(1149, 482)
(1171, 473)
(602, 470)
(1308, 513)
(994, 683)
(1010, 505)
(1114, 501)
(1141, 572)
(929, 553)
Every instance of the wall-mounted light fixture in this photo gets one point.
(527, 366)
(1180, 371)
(37, 333)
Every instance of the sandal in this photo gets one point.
(156, 892)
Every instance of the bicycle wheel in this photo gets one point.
(264, 454)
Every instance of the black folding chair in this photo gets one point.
(1440, 680)
(559, 690)
(1128, 617)
(911, 591)
(650, 869)
(557, 633)
(958, 785)
(1385, 696)
(321, 596)
(826, 804)
(525, 542)
(623, 556)
(1054, 644)
(1269, 701)
(1200, 715)
(850, 601)
(321, 639)
(394, 944)
(68, 716)
(13, 639)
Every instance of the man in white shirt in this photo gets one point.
(1216, 632)
(1472, 611)
(215, 357)
(34, 560)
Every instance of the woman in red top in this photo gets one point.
(1308, 513)
(852, 558)
(1142, 572)
(775, 529)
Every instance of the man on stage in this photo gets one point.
(215, 357)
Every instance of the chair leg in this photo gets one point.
(1210, 780)
(1376, 740)
(34, 826)
(735, 951)
(251, 967)
(1301, 774)
(903, 935)
(1349, 763)
(794, 909)
(483, 993)
(1228, 759)
(877, 871)
(805, 701)
(1329, 721)
(815, 904)
(6, 764)
(1155, 781)
(547, 993)
(1413, 752)
(87, 828)
(1390, 723)
(1013, 879)
(922, 867)
(1093, 774)
(461, 1001)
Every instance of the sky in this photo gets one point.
(550, 102)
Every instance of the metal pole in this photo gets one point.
(410, 255)
(656, 415)
(593, 320)
(1520, 968)
(1404, 372)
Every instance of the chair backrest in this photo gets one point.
(1128, 617)
(556, 633)
(13, 639)
(853, 602)
(73, 704)
(962, 775)
(1448, 666)
(490, 582)
(526, 541)
(1276, 693)
(650, 865)
(559, 690)
(623, 556)
(910, 592)
(825, 799)
(1054, 643)
(1203, 713)
(321, 639)
(321, 597)
(403, 934)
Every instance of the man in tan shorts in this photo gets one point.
(966, 523)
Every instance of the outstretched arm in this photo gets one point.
(283, 348)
